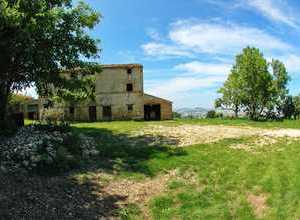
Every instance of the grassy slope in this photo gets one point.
(224, 177)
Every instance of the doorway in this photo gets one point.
(152, 112)
(93, 113)
(106, 113)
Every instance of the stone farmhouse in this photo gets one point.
(119, 95)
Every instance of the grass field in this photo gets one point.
(149, 177)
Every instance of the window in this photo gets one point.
(71, 110)
(129, 87)
(129, 74)
(130, 107)
(73, 75)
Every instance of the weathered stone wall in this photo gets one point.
(113, 79)
(119, 105)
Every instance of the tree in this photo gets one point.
(39, 40)
(279, 87)
(249, 85)
(296, 101)
(289, 107)
(231, 95)
(255, 81)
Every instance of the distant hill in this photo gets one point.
(197, 112)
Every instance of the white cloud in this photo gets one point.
(275, 11)
(179, 88)
(154, 34)
(164, 50)
(292, 63)
(214, 38)
(196, 67)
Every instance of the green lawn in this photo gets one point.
(213, 181)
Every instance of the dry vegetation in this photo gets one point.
(187, 135)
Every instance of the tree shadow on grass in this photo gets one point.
(63, 197)
(127, 152)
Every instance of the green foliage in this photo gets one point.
(56, 39)
(291, 107)
(252, 88)
(211, 114)
(19, 99)
(231, 94)
(53, 116)
(176, 115)
(296, 101)
(279, 88)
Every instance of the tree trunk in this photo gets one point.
(236, 112)
(4, 94)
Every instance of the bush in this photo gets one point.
(211, 114)
(176, 115)
(53, 116)
(45, 149)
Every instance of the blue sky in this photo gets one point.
(187, 47)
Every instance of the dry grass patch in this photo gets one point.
(186, 135)
(258, 204)
(140, 191)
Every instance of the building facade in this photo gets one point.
(119, 93)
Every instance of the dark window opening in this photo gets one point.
(129, 87)
(129, 71)
(71, 110)
(130, 107)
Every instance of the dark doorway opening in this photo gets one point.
(32, 115)
(107, 114)
(93, 113)
(152, 112)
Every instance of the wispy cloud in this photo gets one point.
(154, 34)
(189, 38)
(218, 38)
(201, 68)
(292, 63)
(189, 78)
(160, 50)
(177, 85)
(274, 10)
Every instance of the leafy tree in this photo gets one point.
(231, 95)
(279, 87)
(255, 81)
(296, 101)
(289, 107)
(252, 88)
(211, 114)
(19, 99)
(176, 115)
(39, 39)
